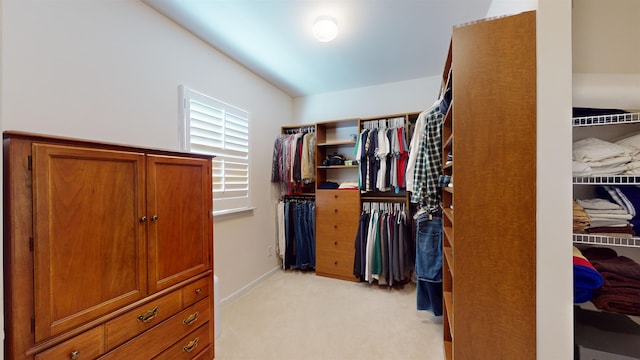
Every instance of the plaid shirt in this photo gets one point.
(428, 161)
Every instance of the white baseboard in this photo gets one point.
(249, 286)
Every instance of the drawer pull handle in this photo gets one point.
(335, 211)
(335, 243)
(154, 218)
(191, 319)
(335, 263)
(335, 226)
(335, 196)
(74, 355)
(143, 219)
(149, 315)
(198, 291)
(191, 345)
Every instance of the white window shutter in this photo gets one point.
(213, 127)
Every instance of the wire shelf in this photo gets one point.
(608, 180)
(593, 239)
(611, 119)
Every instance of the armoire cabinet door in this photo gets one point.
(89, 245)
(180, 226)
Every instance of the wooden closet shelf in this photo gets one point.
(448, 305)
(338, 167)
(448, 213)
(448, 350)
(448, 253)
(337, 143)
(448, 233)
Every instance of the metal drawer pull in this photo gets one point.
(198, 291)
(154, 218)
(143, 219)
(191, 345)
(74, 355)
(191, 318)
(149, 315)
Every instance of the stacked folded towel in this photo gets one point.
(580, 218)
(596, 157)
(605, 217)
(585, 278)
(620, 291)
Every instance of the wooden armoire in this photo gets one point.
(108, 251)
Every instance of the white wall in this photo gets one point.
(606, 49)
(392, 98)
(554, 247)
(110, 70)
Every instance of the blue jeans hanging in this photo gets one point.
(429, 263)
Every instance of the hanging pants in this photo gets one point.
(429, 263)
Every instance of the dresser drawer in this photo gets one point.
(154, 341)
(189, 346)
(332, 240)
(197, 291)
(86, 346)
(332, 197)
(141, 318)
(336, 263)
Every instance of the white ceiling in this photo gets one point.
(380, 41)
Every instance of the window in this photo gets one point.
(210, 126)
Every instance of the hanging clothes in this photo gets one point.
(423, 170)
(425, 158)
(382, 155)
(296, 233)
(293, 161)
(383, 245)
(429, 263)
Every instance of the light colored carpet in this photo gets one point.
(295, 315)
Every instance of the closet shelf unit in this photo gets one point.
(490, 131)
(609, 119)
(629, 180)
(447, 218)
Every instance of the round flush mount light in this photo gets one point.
(325, 28)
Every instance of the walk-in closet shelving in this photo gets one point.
(337, 211)
(604, 127)
(610, 128)
(391, 121)
(447, 214)
(489, 266)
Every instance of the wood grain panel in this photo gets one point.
(188, 347)
(161, 337)
(88, 345)
(494, 90)
(179, 196)
(127, 326)
(87, 204)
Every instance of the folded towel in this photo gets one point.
(585, 278)
(622, 303)
(597, 203)
(592, 149)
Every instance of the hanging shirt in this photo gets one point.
(428, 164)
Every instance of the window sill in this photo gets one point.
(223, 214)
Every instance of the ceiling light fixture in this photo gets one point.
(325, 28)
